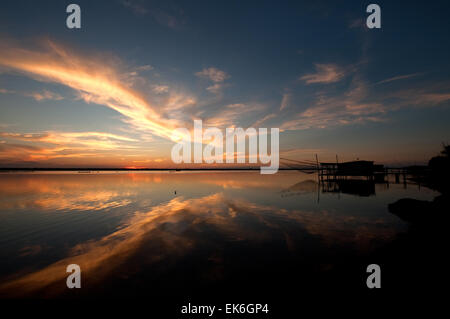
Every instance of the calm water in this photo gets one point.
(132, 235)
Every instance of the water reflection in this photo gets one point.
(133, 232)
(358, 187)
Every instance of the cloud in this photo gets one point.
(285, 101)
(357, 23)
(67, 137)
(5, 91)
(45, 95)
(51, 145)
(213, 74)
(434, 98)
(217, 77)
(420, 97)
(261, 121)
(399, 77)
(96, 79)
(215, 88)
(160, 89)
(349, 107)
(325, 73)
(230, 114)
(171, 17)
(166, 19)
(135, 6)
(144, 68)
(38, 96)
(357, 104)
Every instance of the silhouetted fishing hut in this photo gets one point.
(336, 171)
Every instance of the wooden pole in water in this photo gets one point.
(335, 172)
(319, 176)
(319, 173)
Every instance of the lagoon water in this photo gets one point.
(174, 233)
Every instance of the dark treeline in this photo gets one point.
(439, 171)
(417, 258)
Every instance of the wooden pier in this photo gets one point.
(361, 169)
(356, 177)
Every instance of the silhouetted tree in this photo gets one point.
(442, 161)
(446, 150)
(440, 169)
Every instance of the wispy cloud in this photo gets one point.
(160, 89)
(399, 77)
(38, 96)
(422, 97)
(45, 95)
(216, 88)
(216, 76)
(325, 73)
(5, 91)
(348, 107)
(357, 104)
(135, 6)
(263, 120)
(96, 80)
(213, 74)
(434, 98)
(171, 17)
(144, 68)
(22, 147)
(231, 114)
(285, 101)
(86, 138)
(356, 23)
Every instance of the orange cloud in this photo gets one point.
(325, 73)
(51, 145)
(95, 80)
(213, 74)
(45, 95)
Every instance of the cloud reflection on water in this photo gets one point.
(176, 229)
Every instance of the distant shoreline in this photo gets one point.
(97, 169)
(15, 169)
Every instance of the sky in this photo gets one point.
(110, 94)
